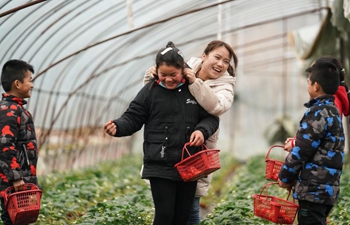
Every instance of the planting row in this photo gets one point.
(113, 193)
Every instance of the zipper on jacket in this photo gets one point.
(162, 153)
(188, 134)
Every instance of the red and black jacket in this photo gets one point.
(17, 134)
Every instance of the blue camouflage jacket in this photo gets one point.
(316, 161)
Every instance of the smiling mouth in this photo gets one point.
(217, 70)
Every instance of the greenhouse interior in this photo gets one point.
(90, 58)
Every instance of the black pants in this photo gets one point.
(311, 213)
(4, 215)
(172, 200)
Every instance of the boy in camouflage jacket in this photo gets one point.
(17, 133)
(314, 164)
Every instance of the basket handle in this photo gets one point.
(185, 148)
(267, 187)
(273, 146)
(11, 189)
(204, 147)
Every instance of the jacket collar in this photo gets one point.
(323, 100)
(12, 98)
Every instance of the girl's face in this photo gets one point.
(215, 64)
(169, 76)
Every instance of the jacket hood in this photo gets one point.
(342, 101)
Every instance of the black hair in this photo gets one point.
(341, 70)
(326, 74)
(171, 56)
(13, 70)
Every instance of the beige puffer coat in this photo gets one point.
(216, 97)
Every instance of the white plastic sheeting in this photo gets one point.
(90, 56)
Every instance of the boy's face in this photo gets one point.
(25, 87)
(312, 89)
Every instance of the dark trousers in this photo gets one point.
(194, 218)
(4, 215)
(172, 201)
(311, 213)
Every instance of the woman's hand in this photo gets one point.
(153, 70)
(197, 138)
(110, 128)
(190, 75)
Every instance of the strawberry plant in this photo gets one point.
(113, 193)
(236, 205)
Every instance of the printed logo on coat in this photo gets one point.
(193, 102)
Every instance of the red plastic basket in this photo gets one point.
(273, 166)
(23, 206)
(198, 165)
(274, 209)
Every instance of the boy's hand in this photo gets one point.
(18, 185)
(289, 144)
(285, 185)
(197, 138)
(190, 75)
(110, 128)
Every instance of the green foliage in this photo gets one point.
(340, 214)
(67, 196)
(228, 164)
(113, 193)
(135, 208)
(236, 206)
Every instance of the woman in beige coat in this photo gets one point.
(211, 78)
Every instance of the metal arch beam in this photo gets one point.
(94, 76)
(56, 118)
(116, 96)
(60, 27)
(21, 7)
(18, 39)
(56, 82)
(72, 64)
(125, 33)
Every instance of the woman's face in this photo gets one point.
(215, 64)
(170, 76)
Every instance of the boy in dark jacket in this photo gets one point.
(314, 164)
(17, 131)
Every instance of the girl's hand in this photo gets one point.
(190, 75)
(197, 138)
(110, 128)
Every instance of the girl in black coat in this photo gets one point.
(172, 117)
